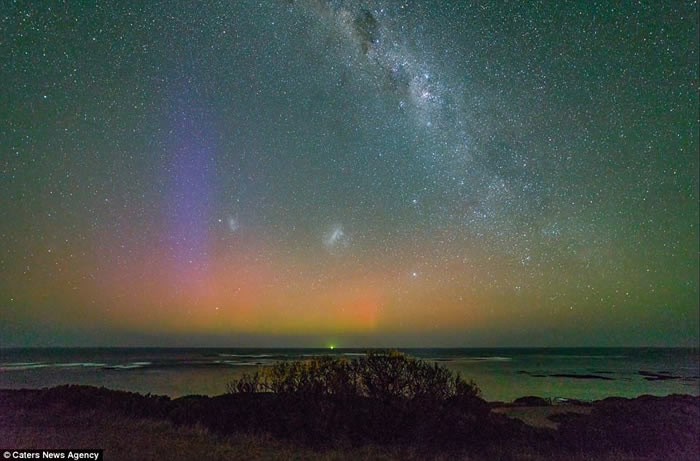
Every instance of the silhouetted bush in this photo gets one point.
(532, 401)
(378, 375)
(381, 396)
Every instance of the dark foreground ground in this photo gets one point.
(255, 426)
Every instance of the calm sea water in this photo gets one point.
(502, 374)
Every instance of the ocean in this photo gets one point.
(501, 374)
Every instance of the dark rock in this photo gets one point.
(534, 375)
(660, 376)
(576, 376)
(531, 401)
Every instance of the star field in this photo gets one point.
(364, 173)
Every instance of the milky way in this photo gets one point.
(361, 173)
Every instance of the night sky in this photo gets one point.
(319, 172)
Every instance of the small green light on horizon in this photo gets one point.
(331, 347)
